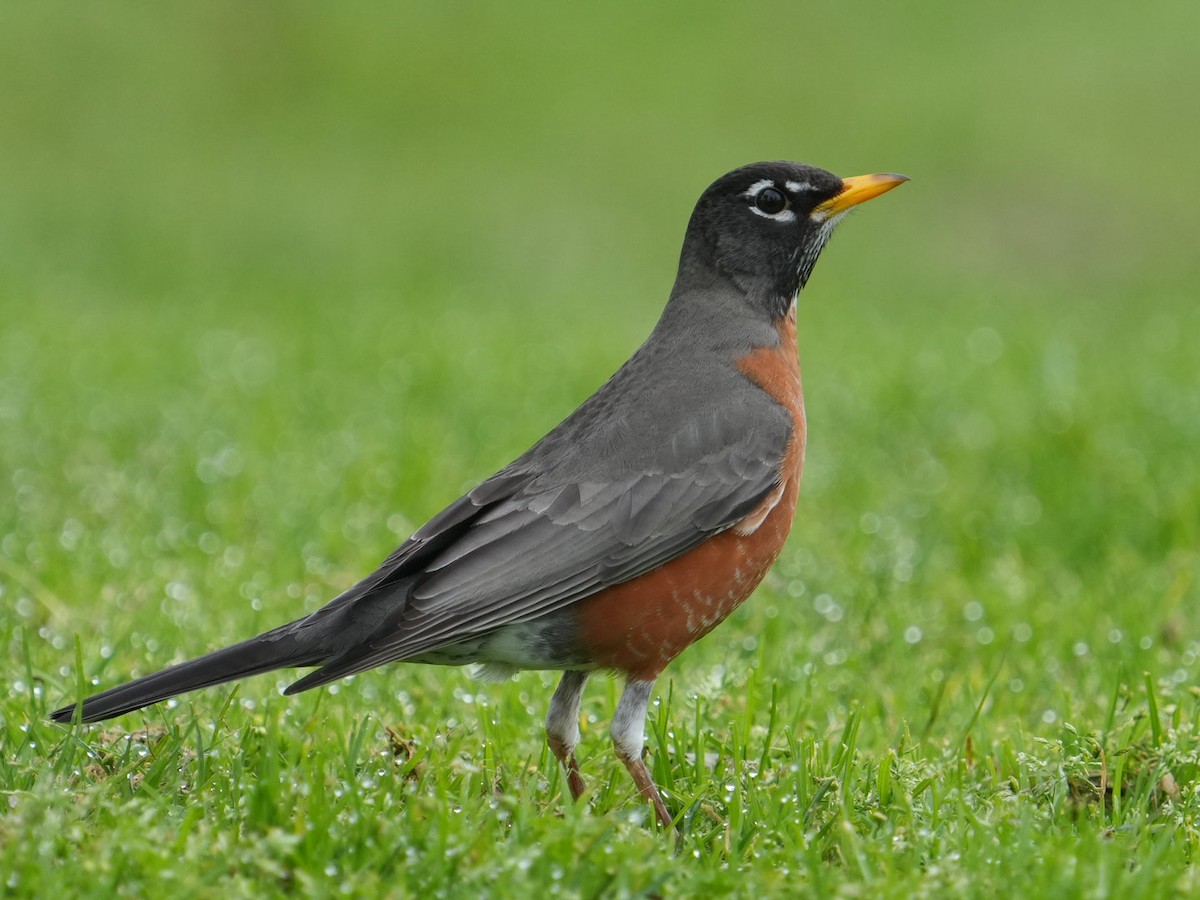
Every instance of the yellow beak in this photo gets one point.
(856, 190)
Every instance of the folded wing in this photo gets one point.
(522, 546)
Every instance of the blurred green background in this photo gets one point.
(278, 281)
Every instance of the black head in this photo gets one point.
(763, 226)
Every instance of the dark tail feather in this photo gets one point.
(275, 649)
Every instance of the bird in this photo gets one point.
(628, 532)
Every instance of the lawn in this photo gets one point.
(278, 283)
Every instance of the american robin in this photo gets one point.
(631, 529)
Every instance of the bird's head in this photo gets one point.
(764, 225)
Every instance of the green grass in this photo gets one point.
(277, 283)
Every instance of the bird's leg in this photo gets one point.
(562, 727)
(628, 734)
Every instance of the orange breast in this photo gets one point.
(638, 627)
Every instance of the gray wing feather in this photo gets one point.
(517, 548)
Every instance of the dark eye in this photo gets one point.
(771, 201)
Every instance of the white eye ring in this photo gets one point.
(784, 215)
